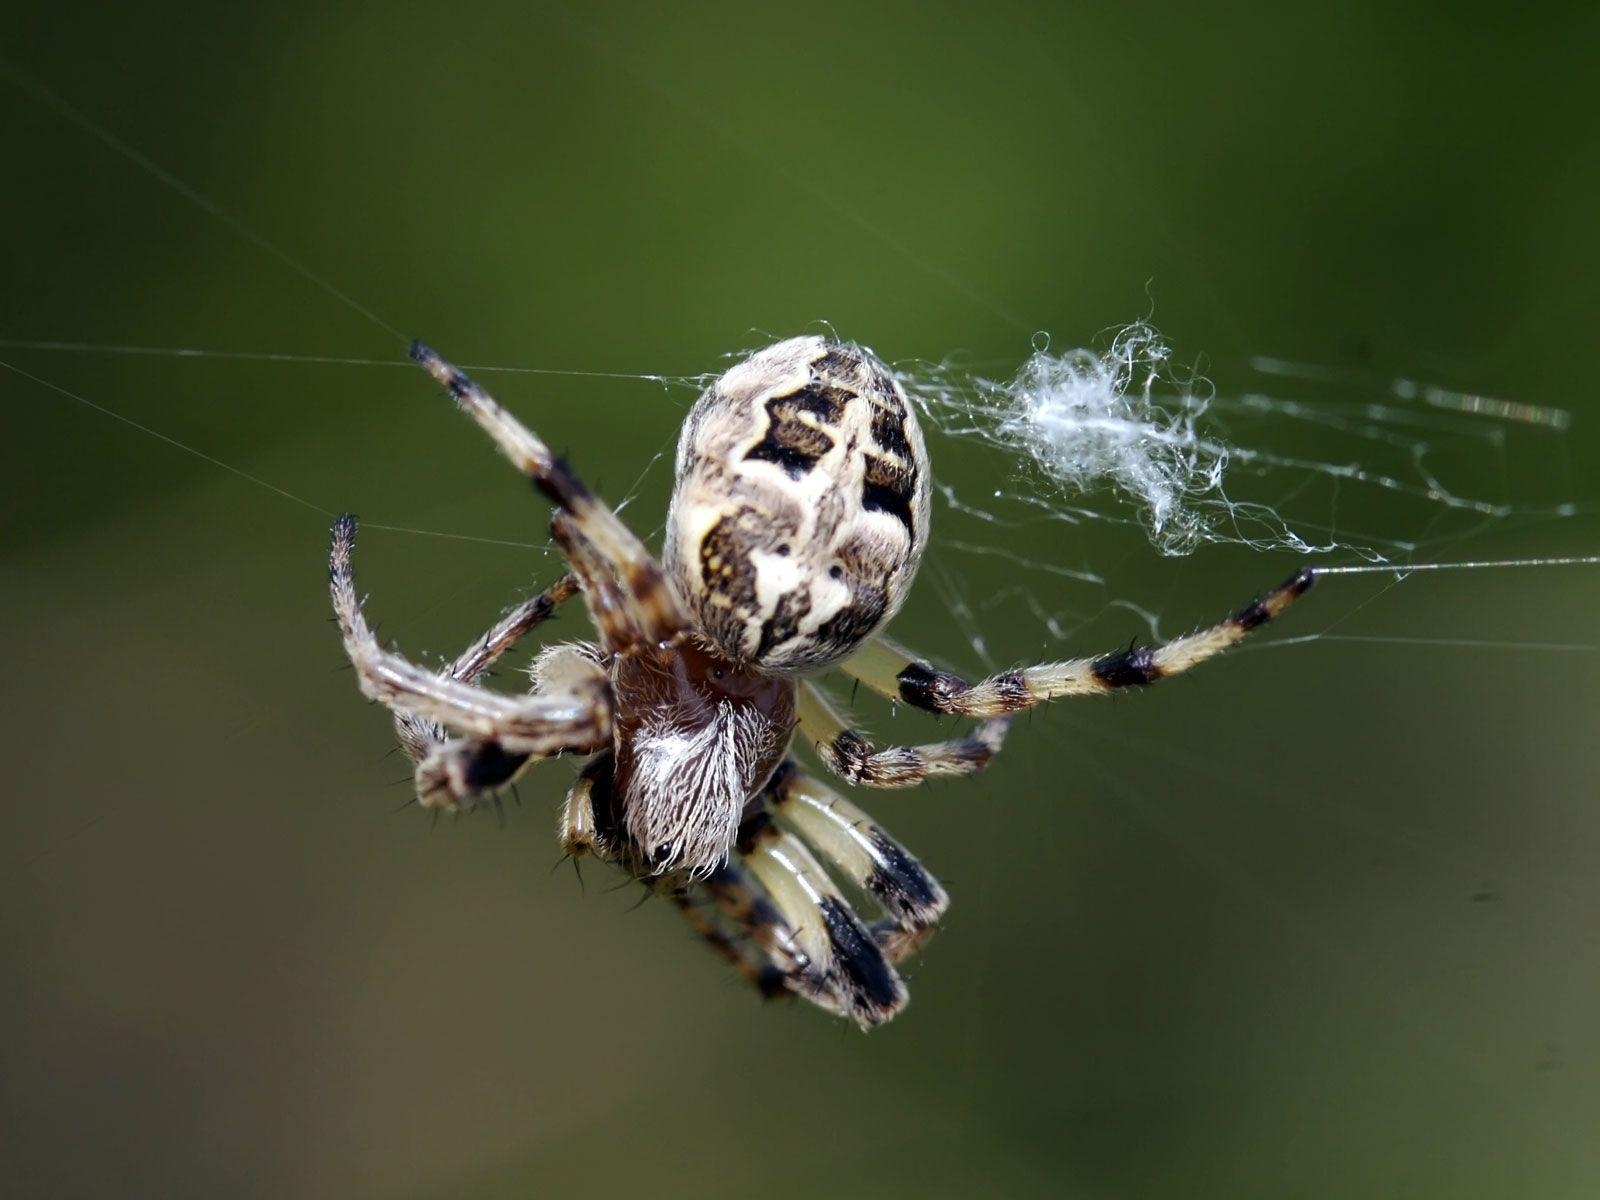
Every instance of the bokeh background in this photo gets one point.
(1318, 921)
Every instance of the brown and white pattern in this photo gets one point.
(801, 505)
(798, 521)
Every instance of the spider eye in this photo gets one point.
(836, 572)
(783, 550)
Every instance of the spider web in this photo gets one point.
(1121, 435)
(1360, 470)
(1335, 462)
(1089, 458)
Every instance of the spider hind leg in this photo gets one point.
(787, 928)
(726, 907)
(850, 973)
(735, 949)
(913, 901)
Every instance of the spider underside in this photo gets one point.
(798, 518)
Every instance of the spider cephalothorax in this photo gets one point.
(798, 519)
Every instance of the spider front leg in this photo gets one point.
(851, 756)
(633, 601)
(897, 675)
(452, 773)
(501, 731)
(417, 736)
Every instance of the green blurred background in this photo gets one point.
(1318, 921)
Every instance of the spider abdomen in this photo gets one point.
(800, 510)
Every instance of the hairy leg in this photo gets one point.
(419, 737)
(578, 719)
(897, 675)
(849, 972)
(608, 559)
(860, 849)
(738, 952)
(851, 756)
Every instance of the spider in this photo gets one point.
(798, 518)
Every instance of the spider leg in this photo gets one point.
(510, 629)
(453, 772)
(751, 935)
(747, 931)
(577, 718)
(860, 849)
(640, 606)
(897, 675)
(745, 904)
(851, 756)
(847, 971)
(418, 736)
(609, 602)
(764, 976)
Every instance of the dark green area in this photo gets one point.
(1319, 921)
